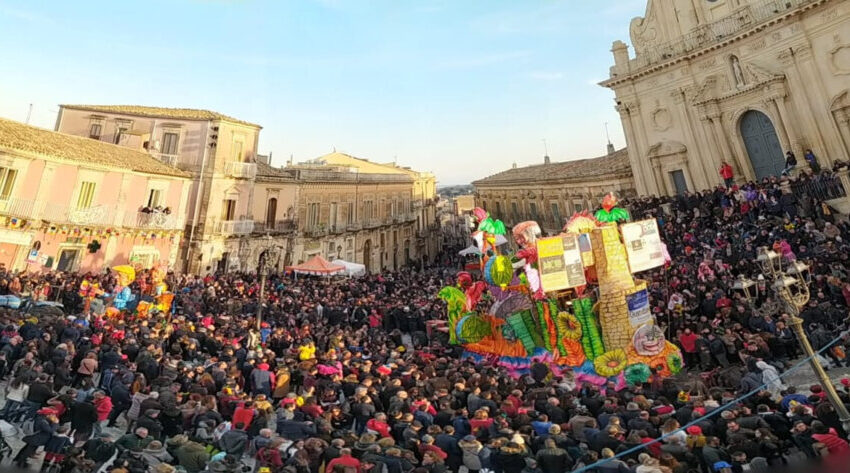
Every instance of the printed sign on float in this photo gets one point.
(638, 303)
(643, 245)
(559, 263)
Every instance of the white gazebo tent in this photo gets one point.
(354, 270)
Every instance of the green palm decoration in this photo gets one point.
(455, 299)
(489, 225)
(610, 212)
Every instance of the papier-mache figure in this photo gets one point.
(89, 291)
(525, 235)
(121, 295)
(160, 289)
(488, 228)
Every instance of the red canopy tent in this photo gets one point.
(316, 266)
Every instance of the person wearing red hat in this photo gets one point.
(44, 426)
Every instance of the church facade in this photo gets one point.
(736, 81)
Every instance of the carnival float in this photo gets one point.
(569, 301)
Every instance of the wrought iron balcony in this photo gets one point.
(154, 220)
(235, 227)
(241, 170)
(278, 226)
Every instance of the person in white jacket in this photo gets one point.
(770, 377)
(16, 392)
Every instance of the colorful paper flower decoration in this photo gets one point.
(568, 326)
(674, 363)
(611, 363)
(637, 373)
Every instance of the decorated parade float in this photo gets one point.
(568, 301)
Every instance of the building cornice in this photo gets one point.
(720, 43)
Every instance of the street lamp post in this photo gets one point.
(793, 289)
(267, 261)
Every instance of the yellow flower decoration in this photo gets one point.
(569, 326)
(610, 363)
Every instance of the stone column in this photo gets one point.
(705, 181)
(780, 124)
(652, 186)
(659, 177)
(641, 181)
(843, 119)
(787, 124)
(686, 168)
(844, 176)
(805, 75)
(720, 136)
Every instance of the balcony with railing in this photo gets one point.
(170, 159)
(353, 226)
(316, 231)
(154, 220)
(241, 170)
(21, 208)
(337, 228)
(93, 215)
(709, 34)
(277, 226)
(234, 227)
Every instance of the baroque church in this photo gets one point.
(736, 81)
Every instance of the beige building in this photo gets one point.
(463, 204)
(220, 154)
(741, 81)
(380, 215)
(551, 192)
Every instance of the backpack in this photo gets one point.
(220, 430)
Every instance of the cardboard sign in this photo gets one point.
(643, 245)
(638, 303)
(559, 263)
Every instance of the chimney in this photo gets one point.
(514, 165)
(611, 148)
(546, 159)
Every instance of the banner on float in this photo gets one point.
(559, 263)
(638, 303)
(643, 245)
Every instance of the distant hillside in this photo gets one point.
(453, 191)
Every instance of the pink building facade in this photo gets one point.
(71, 203)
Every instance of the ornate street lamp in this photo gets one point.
(747, 287)
(266, 263)
(793, 288)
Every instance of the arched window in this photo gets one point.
(271, 212)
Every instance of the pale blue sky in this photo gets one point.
(462, 88)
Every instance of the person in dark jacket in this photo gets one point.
(294, 430)
(83, 418)
(44, 426)
(235, 440)
(262, 380)
(553, 459)
(150, 421)
(100, 449)
(121, 401)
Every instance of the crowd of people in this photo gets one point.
(344, 376)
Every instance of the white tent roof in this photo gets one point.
(469, 250)
(351, 269)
